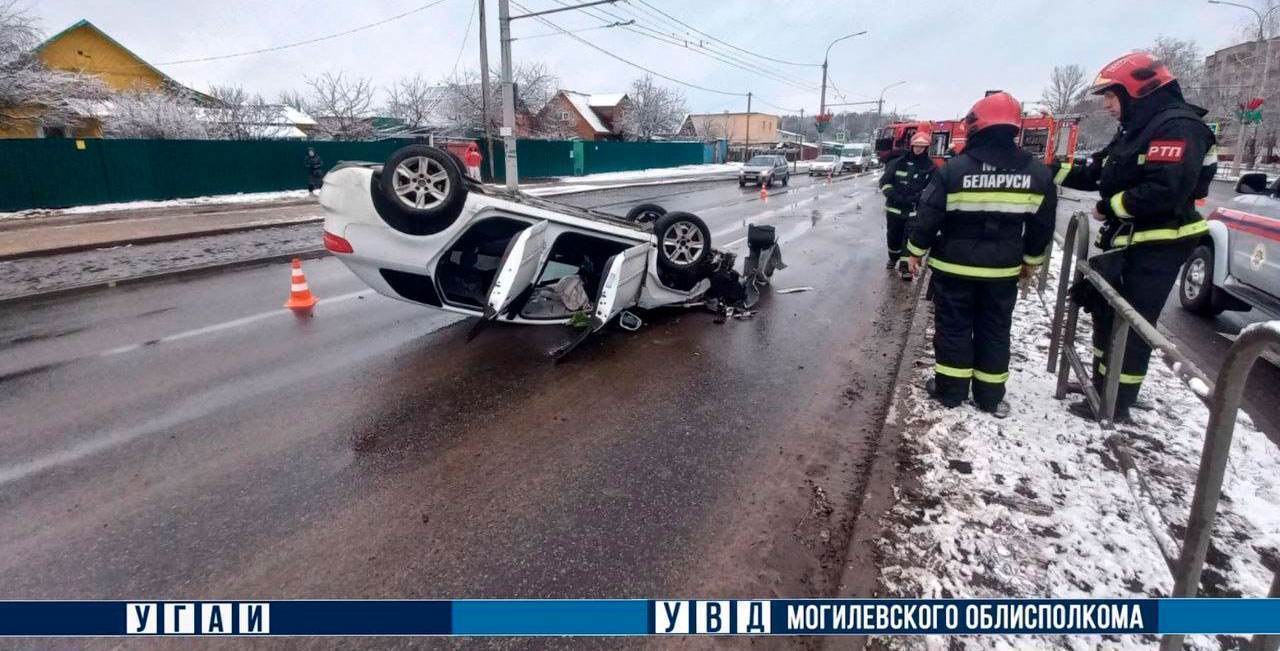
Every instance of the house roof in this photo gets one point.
(606, 101)
(582, 104)
(143, 62)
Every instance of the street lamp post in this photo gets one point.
(1266, 65)
(822, 104)
(880, 107)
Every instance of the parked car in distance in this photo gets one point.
(857, 157)
(1236, 266)
(826, 165)
(764, 169)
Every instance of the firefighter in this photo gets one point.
(905, 177)
(985, 221)
(1149, 177)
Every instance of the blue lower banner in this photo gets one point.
(604, 617)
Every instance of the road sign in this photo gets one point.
(842, 135)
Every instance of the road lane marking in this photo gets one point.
(226, 325)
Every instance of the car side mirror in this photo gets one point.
(1252, 183)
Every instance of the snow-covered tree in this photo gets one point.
(414, 101)
(1066, 88)
(653, 110)
(28, 89)
(240, 115)
(341, 106)
(293, 99)
(462, 103)
(154, 115)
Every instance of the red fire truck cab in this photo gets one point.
(1043, 135)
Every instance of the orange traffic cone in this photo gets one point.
(764, 193)
(300, 297)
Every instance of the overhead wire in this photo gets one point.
(309, 41)
(726, 43)
(626, 61)
(657, 35)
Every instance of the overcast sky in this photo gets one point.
(947, 51)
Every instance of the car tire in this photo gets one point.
(646, 213)
(684, 243)
(421, 190)
(1196, 290)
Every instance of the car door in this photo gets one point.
(518, 269)
(1255, 245)
(624, 274)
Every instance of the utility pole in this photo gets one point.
(880, 107)
(508, 88)
(796, 167)
(484, 90)
(746, 152)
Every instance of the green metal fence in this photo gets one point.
(55, 173)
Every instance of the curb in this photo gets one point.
(854, 580)
(153, 239)
(72, 290)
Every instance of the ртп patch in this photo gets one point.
(1166, 151)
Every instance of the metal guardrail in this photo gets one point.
(1223, 397)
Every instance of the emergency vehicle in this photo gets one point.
(1043, 135)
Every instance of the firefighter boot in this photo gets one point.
(904, 270)
(1001, 410)
(931, 387)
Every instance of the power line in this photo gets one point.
(750, 66)
(776, 107)
(726, 43)
(574, 31)
(630, 63)
(308, 41)
(722, 57)
(466, 33)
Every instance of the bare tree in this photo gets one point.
(240, 115)
(462, 105)
(414, 101)
(1183, 59)
(341, 106)
(293, 99)
(652, 110)
(29, 91)
(154, 115)
(1066, 87)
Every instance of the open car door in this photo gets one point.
(517, 270)
(624, 274)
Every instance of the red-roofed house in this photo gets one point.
(571, 114)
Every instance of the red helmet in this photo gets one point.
(921, 139)
(996, 108)
(1138, 73)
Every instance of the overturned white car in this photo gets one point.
(416, 229)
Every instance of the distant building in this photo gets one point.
(1233, 75)
(581, 116)
(761, 128)
(84, 48)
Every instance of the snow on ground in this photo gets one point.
(611, 180)
(1036, 506)
(244, 197)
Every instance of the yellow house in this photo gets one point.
(84, 48)
(737, 128)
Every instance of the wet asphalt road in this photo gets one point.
(188, 438)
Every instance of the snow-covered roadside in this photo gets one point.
(614, 180)
(244, 197)
(1036, 506)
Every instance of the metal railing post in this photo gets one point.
(1067, 337)
(1228, 392)
(1117, 341)
(1059, 304)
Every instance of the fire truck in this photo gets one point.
(1043, 135)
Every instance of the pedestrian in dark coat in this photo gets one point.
(315, 170)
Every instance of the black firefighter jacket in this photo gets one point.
(905, 177)
(987, 212)
(1161, 161)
